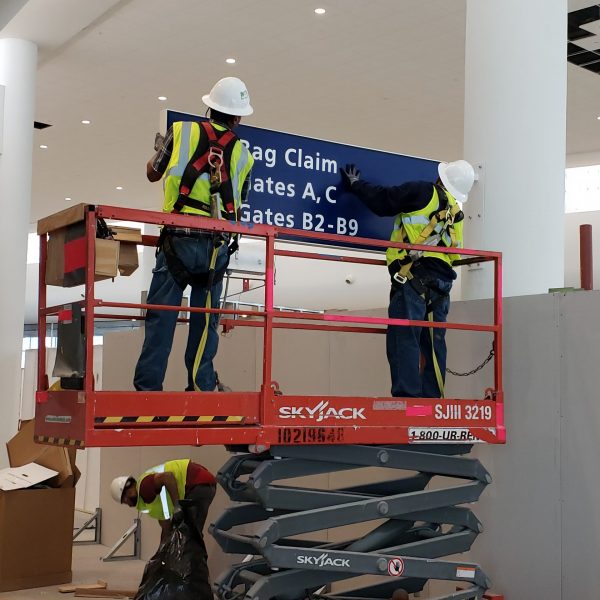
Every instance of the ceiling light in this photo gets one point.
(320, 11)
(598, 118)
(119, 187)
(43, 146)
(85, 122)
(68, 199)
(230, 61)
(162, 98)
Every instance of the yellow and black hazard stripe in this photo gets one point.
(58, 441)
(169, 419)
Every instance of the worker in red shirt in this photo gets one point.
(159, 490)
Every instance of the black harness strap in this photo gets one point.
(442, 206)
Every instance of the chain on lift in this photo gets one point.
(476, 369)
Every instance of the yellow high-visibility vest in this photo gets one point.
(186, 137)
(162, 506)
(408, 228)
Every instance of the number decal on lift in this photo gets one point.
(310, 435)
(476, 411)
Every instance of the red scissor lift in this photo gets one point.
(350, 432)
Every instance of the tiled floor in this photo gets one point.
(88, 568)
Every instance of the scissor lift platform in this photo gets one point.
(413, 527)
(267, 417)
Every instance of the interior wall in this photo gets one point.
(580, 423)
(542, 502)
(520, 510)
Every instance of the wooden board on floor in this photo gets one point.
(99, 585)
(104, 593)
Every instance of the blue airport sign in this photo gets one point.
(296, 181)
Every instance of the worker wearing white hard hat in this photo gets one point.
(428, 214)
(188, 158)
(229, 96)
(457, 177)
(161, 491)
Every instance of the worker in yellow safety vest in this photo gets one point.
(426, 214)
(159, 490)
(205, 170)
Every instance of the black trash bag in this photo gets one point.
(178, 570)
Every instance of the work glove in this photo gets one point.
(178, 516)
(350, 175)
(158, 141)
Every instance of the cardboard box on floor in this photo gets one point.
(36, 525)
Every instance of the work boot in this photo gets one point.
(221, 387)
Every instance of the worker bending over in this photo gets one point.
(426, 214)
(158, 491)
(205, 171)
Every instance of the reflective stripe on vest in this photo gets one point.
(408, 227)
(161, 507)
(186, 136)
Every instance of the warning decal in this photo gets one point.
(395, 567)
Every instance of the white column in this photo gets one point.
(18, 65)
(515, 121)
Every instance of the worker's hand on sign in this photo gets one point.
(350, 175)
(178, 516)
(158, 141)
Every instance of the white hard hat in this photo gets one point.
(229, 96)
(458, 178)
(118, 486)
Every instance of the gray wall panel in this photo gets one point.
(541, 512)
(580, 466)
(520, 547)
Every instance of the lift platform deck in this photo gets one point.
(260, 419)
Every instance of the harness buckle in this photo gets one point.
(401, 279)
(215, 157)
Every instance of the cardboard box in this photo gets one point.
(18, 478)
(107, 259)
(22, 450)
(126, 234)
(128, 258)
(65, 217)
(36, 525)
(36, 540)
(128, 237)
(66, 260)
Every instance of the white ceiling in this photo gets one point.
(384, 74)
(362, 69)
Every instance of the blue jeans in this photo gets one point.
(195, 254)
(405, 345)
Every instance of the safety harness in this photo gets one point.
(436, 233)
(211, 156)
(441, 222)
